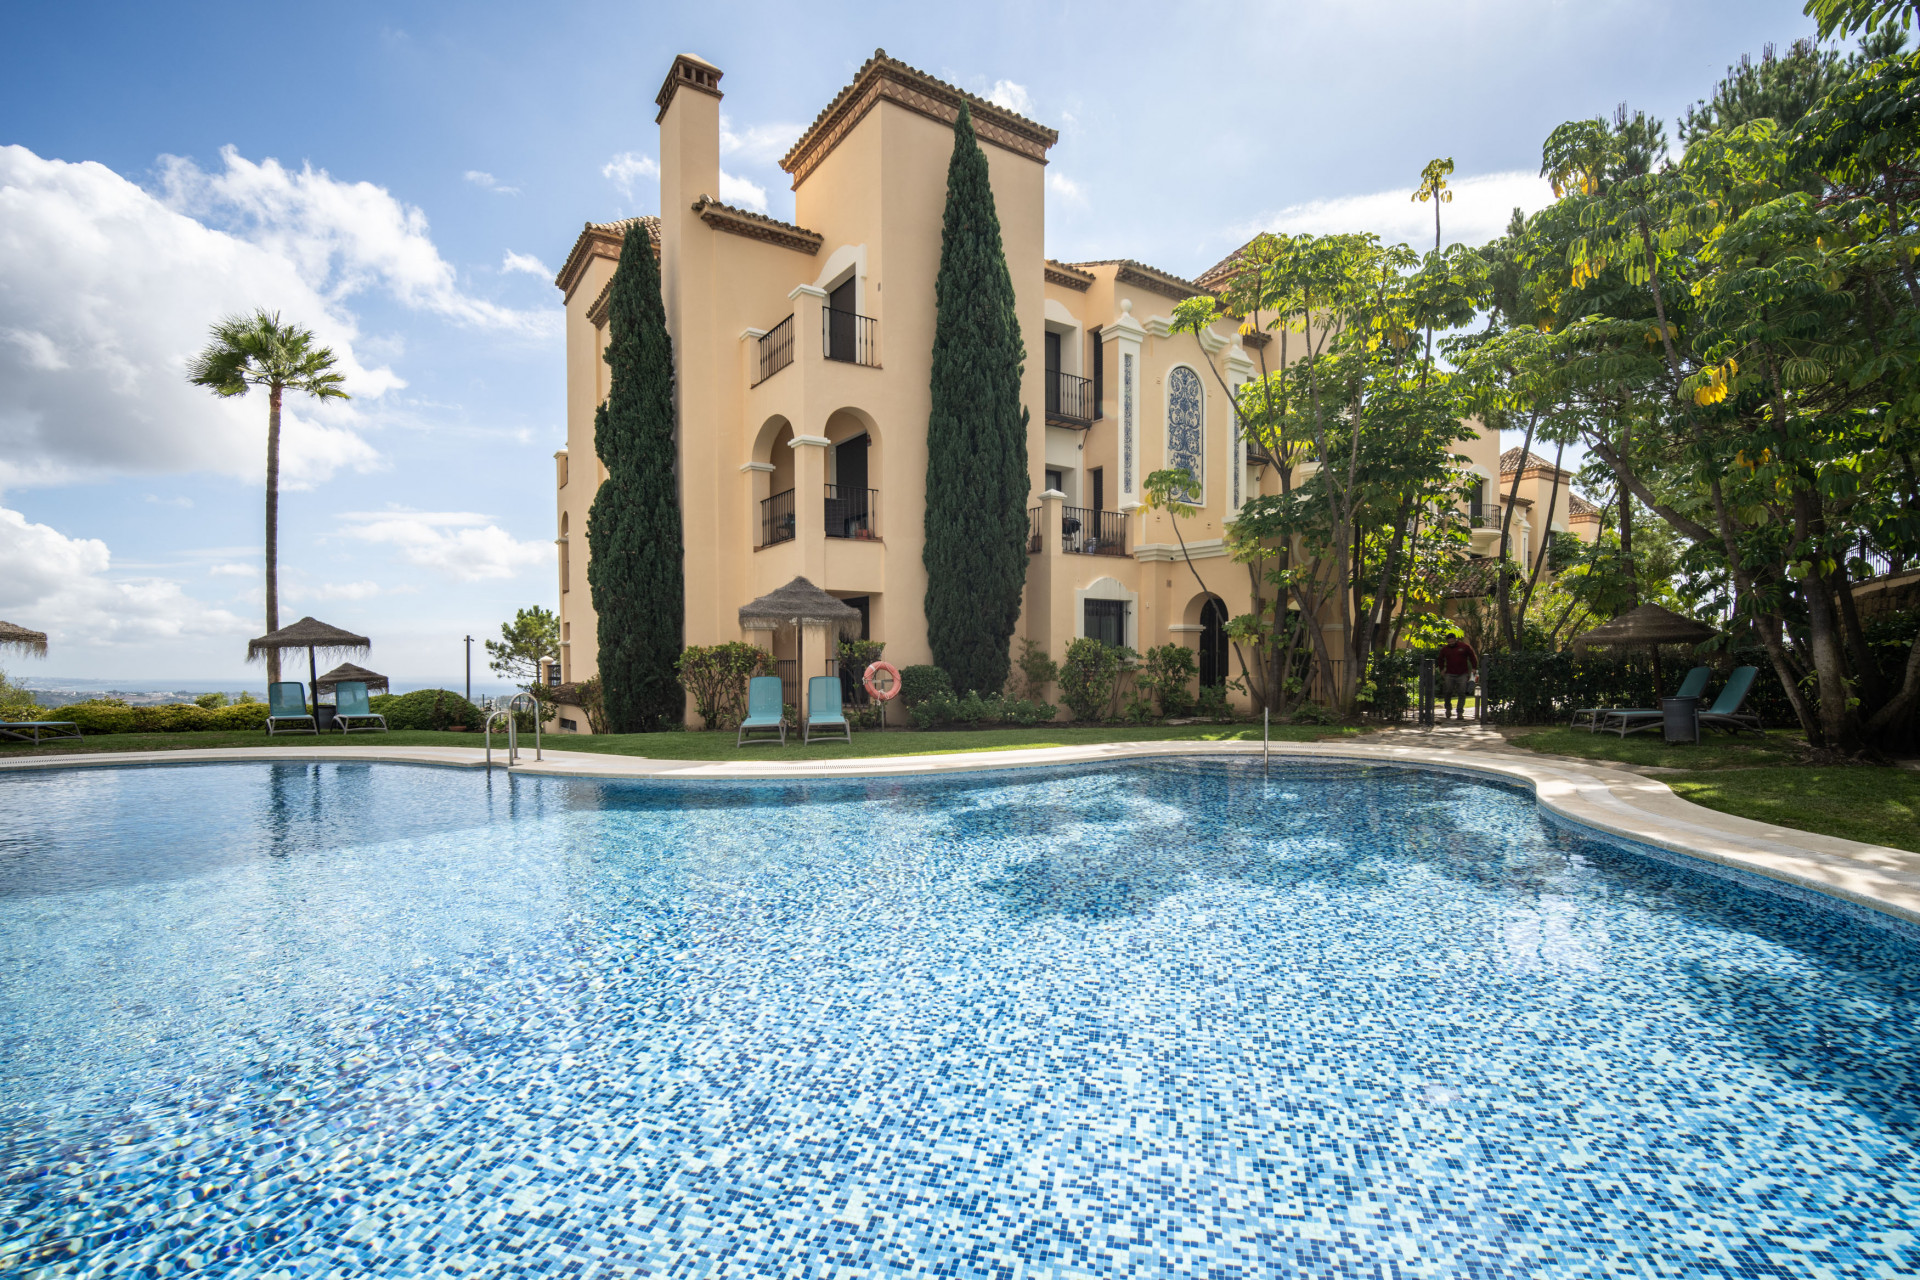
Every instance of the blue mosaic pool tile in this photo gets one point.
(1153, 1020)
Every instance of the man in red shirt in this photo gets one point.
(1457, 662)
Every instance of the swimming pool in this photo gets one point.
(1161, 1018)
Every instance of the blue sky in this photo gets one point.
(403, 178)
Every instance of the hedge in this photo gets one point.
(427, 709)
(110, 715)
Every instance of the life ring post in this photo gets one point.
(882, 682)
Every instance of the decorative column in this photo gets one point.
(810, 505)
(1240, 371)
(1126, 334)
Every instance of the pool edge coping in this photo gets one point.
(1614, 802)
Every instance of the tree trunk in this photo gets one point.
(1823, 634)
(1546, 542)
(273, 527)
(1506, 525)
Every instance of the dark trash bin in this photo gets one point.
(323, 721)
(1680, 719)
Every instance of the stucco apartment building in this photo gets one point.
(803, 356)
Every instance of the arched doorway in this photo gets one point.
(1213, 643)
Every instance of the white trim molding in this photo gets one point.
(1157, 552)
(757, 466)
(818, 442)
(1107, 589)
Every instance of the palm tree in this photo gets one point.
(259, 351)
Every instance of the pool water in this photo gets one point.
(1161, 1019)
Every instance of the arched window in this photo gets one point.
(1186, 428)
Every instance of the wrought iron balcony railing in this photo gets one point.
(776, 350)
(850, 337)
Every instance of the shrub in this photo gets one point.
(920, 683)
(426, 709)
(1037, 671)
(95, 715)
(1087, 677)
(1212, 703)
(975, 711)
(860, 706)
(1312, 713)
(173, 717)
(1170, 668)
(241, 715)
(211, 701)
(717, 674)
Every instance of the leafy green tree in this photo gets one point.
(633, 528)
(532, 635)
(976, 518)
(260, 351)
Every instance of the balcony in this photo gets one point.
(1035, 516)
(1484, 515)
(851, 512)
(849, 337)
(776, 350)
(1069, 400)
(1084, 532)
(776, 519)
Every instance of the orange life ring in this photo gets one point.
(891, 672)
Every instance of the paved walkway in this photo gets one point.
(1611, 800)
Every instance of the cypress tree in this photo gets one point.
(633, 527)
(976, 521)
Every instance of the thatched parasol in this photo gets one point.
(1649, 625)
(346, 671)
(315, 637)
(31, 643)
(799, 604)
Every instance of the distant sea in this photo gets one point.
(58, 691)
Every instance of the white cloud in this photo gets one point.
(1066, 188)
(336, 591)
(740, 191)
(342, 237)
(64, 586)
(463, 545)
(627, 169)
(1481, 206)
(487, 182)
(108, 293)
(1014, 97)
(235, 570)
(757, 144)
(179, 500)
(525, 262)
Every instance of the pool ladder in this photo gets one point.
(519, 702)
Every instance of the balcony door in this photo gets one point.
(1099, 477)
(840, 323)
(848, 515)
(1053, 372)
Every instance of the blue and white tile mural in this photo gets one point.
(1186, 421)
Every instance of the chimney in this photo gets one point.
(689, 121)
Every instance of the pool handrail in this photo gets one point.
(518, 702)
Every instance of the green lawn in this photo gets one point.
(1711, 752)
(704, 746)
(1878, 806)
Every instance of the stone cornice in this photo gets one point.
(687, 72)
(1071, 277)
(757, 226)
(817, 442)
(1158, 326)
(601, 240)
(884, 79)
(1143, 277)
(597, 309)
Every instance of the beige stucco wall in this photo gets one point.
(875, 202)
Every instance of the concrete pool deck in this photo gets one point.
(1612, 801)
